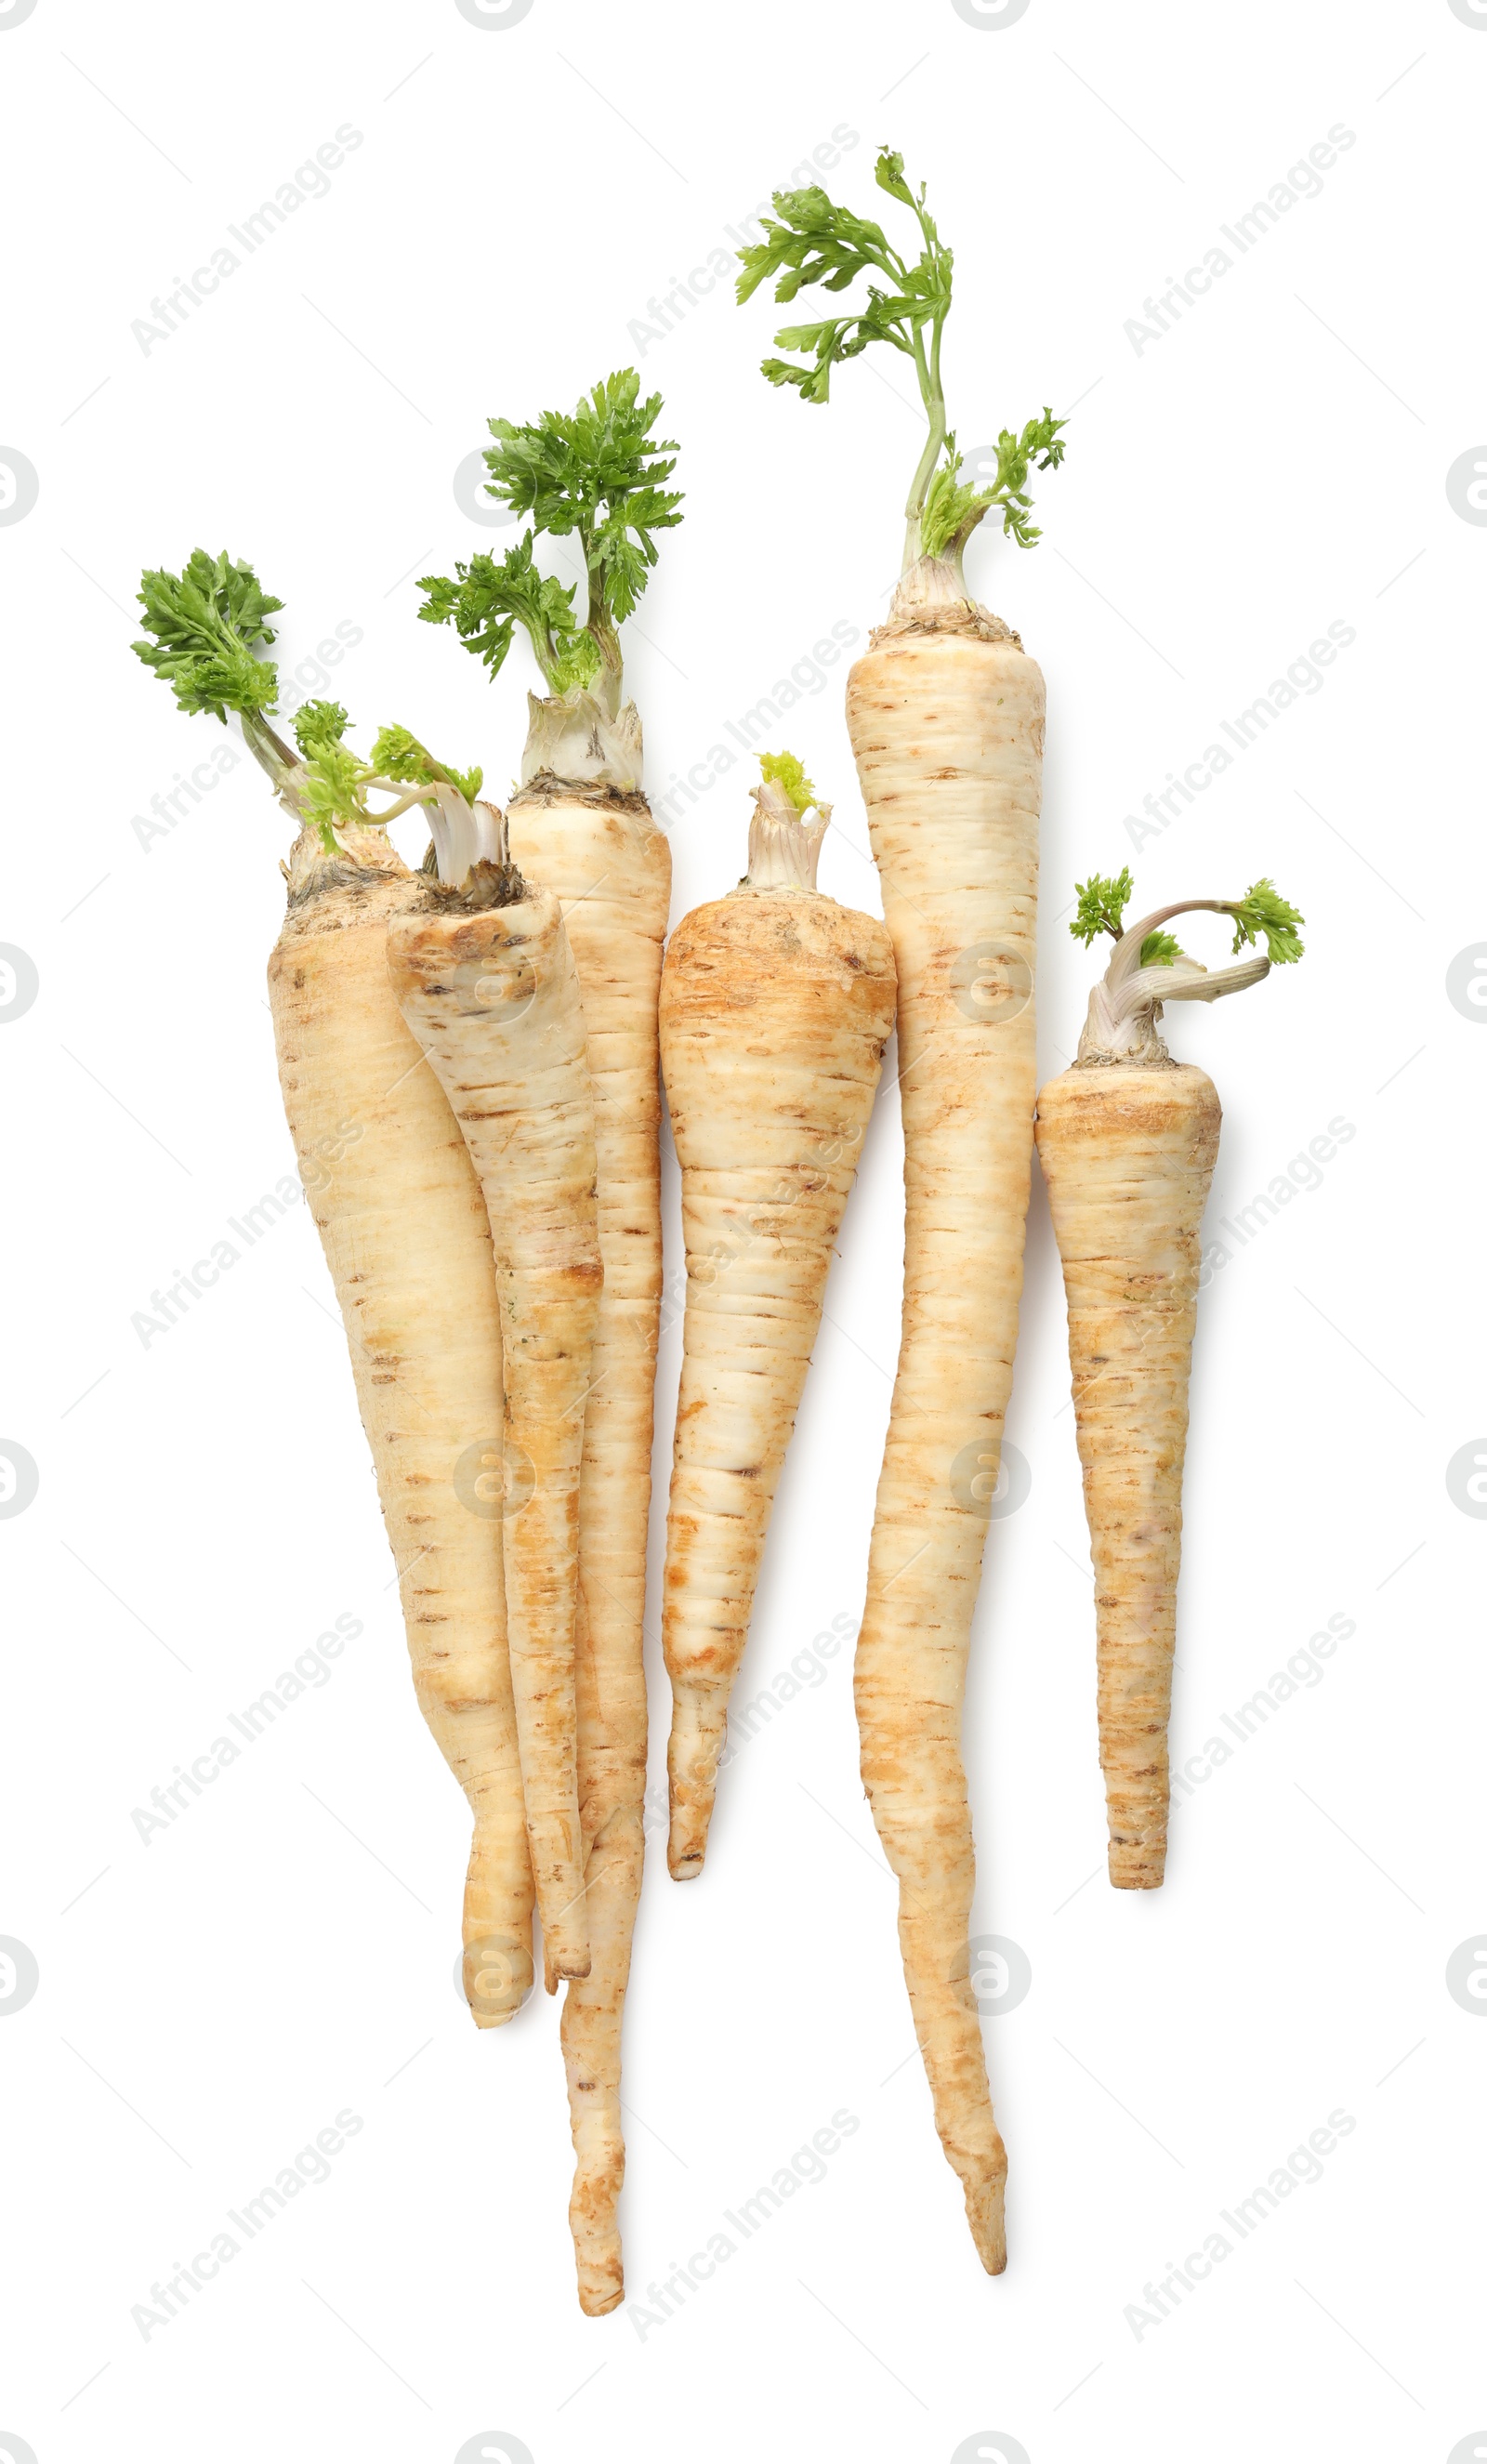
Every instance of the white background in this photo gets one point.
(1275, 463)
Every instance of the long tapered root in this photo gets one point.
(491, 995)
(407, 1241)
(591, 2025)
(948, 730)
(775, 1005)
(1128, 1152)
(602, 855)
(948, 2028)
(915, 1781)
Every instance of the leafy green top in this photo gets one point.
(207, 623)
(488, 599)
(318, 725)
(1263, 909)
(1148, 968)
(791, 776)
(336, 782)
(814, 241)
(1103, 901)
(953, 507)
(597, 472)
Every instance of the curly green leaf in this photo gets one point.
(208, 622)
(790, 771)
(1263, 911)
(1103, 901)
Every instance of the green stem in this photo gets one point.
(933, 397)
(274, 755)
(404, 801)
(608, 686)
(544, 651)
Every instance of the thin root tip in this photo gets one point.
(1136, 1868)
(988, 2221)
(597, 2301)
(686, 1839)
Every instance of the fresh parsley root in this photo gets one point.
(775, 1005)
(945, 715)
(400, 1219)
(1127, 1142)
(598, 478)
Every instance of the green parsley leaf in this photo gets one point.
(1103, 902)
(1263, 909)
(791, 776)
(208, 622)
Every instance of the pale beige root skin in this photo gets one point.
(492, 998)
(1128, 1153)
(404, 1227)
(610, 867)
(948, 730)
(775, 1005)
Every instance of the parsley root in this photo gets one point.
(485, 979)
(946, 716)
(402, 1224)
(580, 824)
(775, 1005)
(1127, 1140)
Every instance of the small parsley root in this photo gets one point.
(486, 981)
(775, 1005)
(946, 716)
(581, 825)
(1127, 1140)
(403, 1223)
